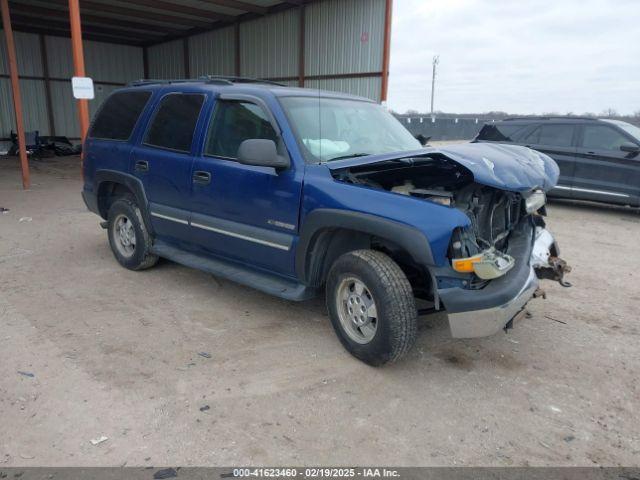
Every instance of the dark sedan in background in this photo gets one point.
(599, 159)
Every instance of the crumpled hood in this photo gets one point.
(506, 167)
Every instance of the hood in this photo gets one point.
(506, 167)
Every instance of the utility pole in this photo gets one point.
(436, 60)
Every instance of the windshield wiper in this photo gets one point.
(351, 155)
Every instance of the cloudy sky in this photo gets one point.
(518, 56)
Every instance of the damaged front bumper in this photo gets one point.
(483, 312)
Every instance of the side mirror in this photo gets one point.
(261, 153)
(630, 147)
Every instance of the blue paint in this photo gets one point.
(266, 201)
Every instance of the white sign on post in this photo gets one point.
(82, 88)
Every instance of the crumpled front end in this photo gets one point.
(491, 267)
(484, 311)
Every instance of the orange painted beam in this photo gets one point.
(386, 50)
(78, 63)
(15, 88)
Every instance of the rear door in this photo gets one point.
(603, 171)
(108, 142)
(243, 212)
(558, 140)
(163, 159)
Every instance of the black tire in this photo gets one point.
(141, 257)
(396, 322)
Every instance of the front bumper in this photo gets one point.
(485, 322)
(483, 312)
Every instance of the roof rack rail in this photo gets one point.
(217, 79)
(552, 117)
(231, 79)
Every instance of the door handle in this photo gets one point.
(142, 166)
(201, 177)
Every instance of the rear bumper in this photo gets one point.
(483, 312)
(91, 201)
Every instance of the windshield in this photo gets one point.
(627, 127)
(332, 128)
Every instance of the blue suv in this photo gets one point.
(296, 191)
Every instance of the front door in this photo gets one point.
(603, 171)
(245, 213)
(163, 160)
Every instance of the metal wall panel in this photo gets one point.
(59, 58)
(7, 122)
(27, 51)
(65, 112)
(344, 36)
(269, 45)
(109, 62)
(166, 60)
(104, 62)
(213, 53)
(34, 107)
(368, 87)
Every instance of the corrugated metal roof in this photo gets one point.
(140, 19)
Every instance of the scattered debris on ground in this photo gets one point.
(99, 440)
(165, 473)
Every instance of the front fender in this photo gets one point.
(323, 219)
(423, 226)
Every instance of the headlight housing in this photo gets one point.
(535, 201)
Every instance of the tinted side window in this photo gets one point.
(119, 114)
(234, 122)
(533, 137)
(556, 135)
(599, 137)
(174, 121)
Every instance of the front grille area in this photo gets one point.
(493, 215)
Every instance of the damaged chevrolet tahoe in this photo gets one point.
(295, 192)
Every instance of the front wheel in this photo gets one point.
(371, 306)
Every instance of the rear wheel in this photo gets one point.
(128, 236)
(371, 306)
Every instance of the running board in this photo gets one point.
(267, 283)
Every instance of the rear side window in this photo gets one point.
(556, 135)
(174, 122)
(599, 137)
(118, 115)
(234, 122)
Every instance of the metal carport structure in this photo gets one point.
(328, 44)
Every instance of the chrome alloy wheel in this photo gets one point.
(357, 310)
(124, 235)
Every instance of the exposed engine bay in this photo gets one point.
(480, 248)
(493, 213)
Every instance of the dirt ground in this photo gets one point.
(175, 367)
